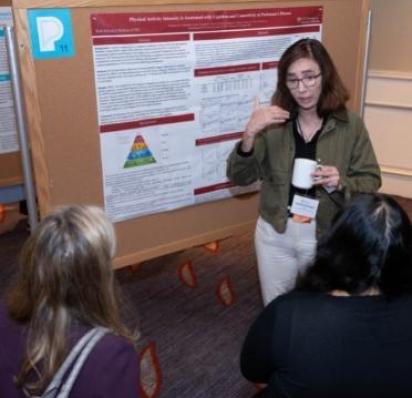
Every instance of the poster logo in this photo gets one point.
(50, 30)
(51, 33)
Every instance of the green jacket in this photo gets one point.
(344, 143)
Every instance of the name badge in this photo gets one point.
(304, 206)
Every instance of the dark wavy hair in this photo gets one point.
(369, 245)
(334, 94)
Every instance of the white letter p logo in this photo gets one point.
(50, 30)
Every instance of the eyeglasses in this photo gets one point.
(308, 81)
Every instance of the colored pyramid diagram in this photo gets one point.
(140, 154)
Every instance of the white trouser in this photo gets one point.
(282, 257)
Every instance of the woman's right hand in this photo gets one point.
(262, 116)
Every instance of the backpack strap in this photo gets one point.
(60, 386)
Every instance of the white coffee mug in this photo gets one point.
(302, 173)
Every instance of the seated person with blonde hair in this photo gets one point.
(346, 331)
(64, 297)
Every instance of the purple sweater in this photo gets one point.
(111, 370)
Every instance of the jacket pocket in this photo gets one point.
(274, 196)
(276, 178)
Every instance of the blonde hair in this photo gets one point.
(65, 276)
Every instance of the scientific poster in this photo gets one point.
(8, 128)
(174, 93)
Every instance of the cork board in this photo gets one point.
(63, 125)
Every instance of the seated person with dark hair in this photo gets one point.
(346, 331)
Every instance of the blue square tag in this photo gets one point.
(51, 33)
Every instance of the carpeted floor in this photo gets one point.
(192, 308)
(195, 307)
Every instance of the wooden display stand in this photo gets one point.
(62, 117)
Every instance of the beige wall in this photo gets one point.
(391, 35)
(388, 116)
(388, 105)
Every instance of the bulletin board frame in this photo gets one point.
(60, 100)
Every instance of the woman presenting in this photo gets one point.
(308, 119)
